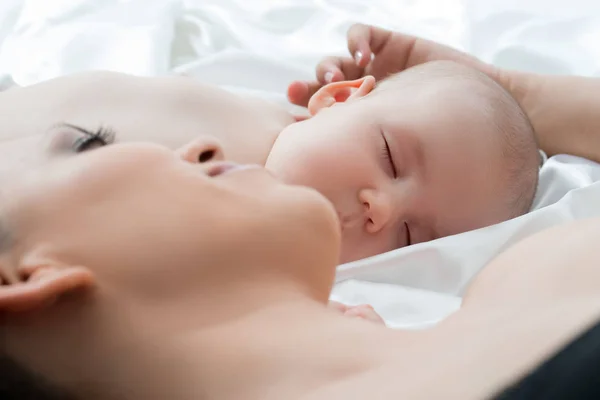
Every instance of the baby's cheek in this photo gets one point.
(297, 163)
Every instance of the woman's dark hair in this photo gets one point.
(16, 380)
(19, 382)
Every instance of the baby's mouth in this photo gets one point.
(348, 220)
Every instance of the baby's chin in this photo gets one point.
(287, 176)
(290, 173)
(274, 167)
(283, 167)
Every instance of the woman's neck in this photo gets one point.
(285, 349)
(235, 341)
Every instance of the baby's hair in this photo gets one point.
(520, 149)
(516, 136)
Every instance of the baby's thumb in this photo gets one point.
(359, 44)
(300, 92)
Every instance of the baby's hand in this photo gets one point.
(363, 311)
(378, 52)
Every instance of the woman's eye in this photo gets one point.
(90, 140)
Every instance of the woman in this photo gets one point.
(132, 271)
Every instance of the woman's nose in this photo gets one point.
(377, 209)
(201, 150)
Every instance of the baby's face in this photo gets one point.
(400, 168)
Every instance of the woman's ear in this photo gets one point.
(339, 92)
(38, 285)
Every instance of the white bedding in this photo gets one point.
(258, 46)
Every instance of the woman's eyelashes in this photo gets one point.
(387, 155)
(89, 140)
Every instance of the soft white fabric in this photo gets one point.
(258, 46)
(569, 189)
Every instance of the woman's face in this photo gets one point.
(152, 220)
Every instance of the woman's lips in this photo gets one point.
(228, 167)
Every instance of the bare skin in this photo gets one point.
(173, 343)
(383, 203)
(171, 111)
(397, 160)
(121, 324)
(564, 119)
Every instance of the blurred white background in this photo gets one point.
(40, 39)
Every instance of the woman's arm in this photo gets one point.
(564, 110)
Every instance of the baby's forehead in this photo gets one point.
(436, 100)
(441, 80)
(438, 116)
(448, 98)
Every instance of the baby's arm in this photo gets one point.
(363, 311)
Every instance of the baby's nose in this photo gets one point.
(201, 150)
(377, 209)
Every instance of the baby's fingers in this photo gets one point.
(335, 69)
(365, 312)
(330, 69)
(335, 305)
(300, 92)
(364, 41)
(358, 44)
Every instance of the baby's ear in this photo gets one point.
(339, 92)
(37, 284)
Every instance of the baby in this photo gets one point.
(436, 150)
(433, 151)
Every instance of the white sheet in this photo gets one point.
(258, 46)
